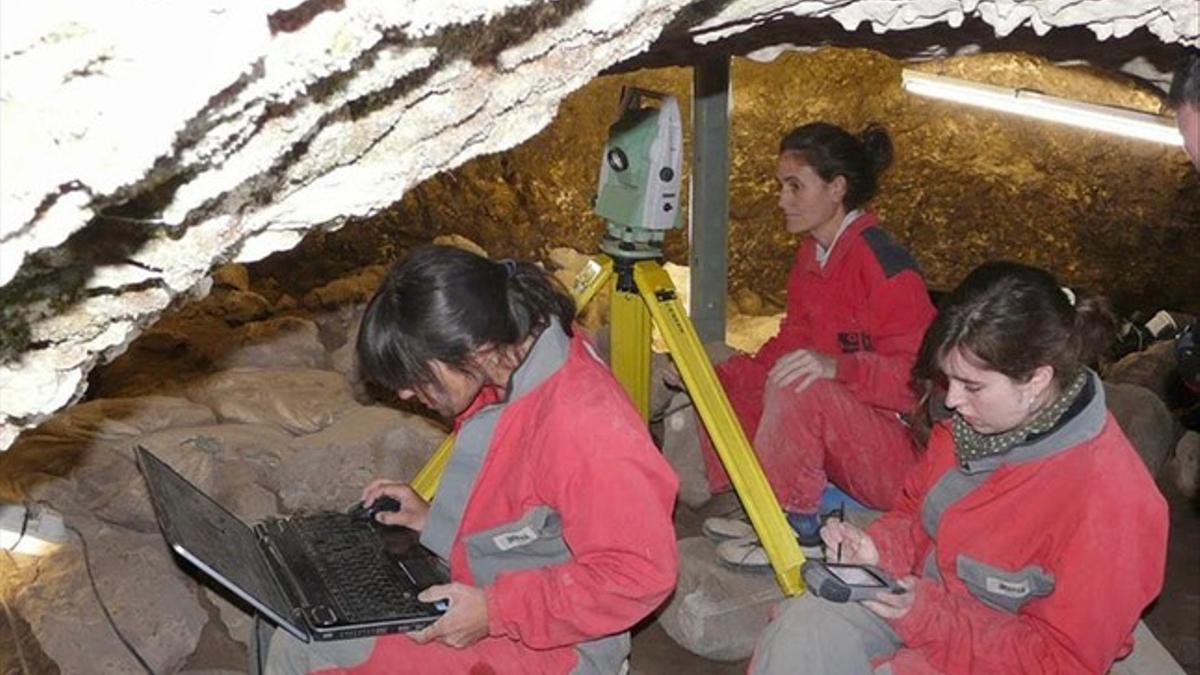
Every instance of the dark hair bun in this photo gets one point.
(877, 143)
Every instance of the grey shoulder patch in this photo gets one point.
(891, 256)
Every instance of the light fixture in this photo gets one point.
(1130, 123)
(35, 530)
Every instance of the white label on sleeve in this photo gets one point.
(511, 540)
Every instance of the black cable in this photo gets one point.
(104, 608)
(12, 621)
(670, 411)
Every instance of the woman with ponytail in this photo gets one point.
(554, 511)
(1030, 536)
(822, 401)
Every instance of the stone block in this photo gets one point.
(283, 342)
(1184, 467)
(301, 401)
(1145, 419)
(717, 612)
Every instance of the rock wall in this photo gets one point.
(1113, 215)
(144, 144)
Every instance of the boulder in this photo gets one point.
(283, 342)
(233, 276)
(92, 441)
(1145, 419)
(236, 464)
(123, 418)
(681, 448)
(459, 241)
(1184, 467)
(717, 612)
(339, 326)
(149, 598)
(237, 307)
(1152, 368)
(356, 288)
(301, 401)
(328, 469)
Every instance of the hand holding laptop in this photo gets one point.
(463, 624)
(413, 510)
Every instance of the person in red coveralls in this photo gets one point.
(1030, 536)
(554, 512)
(822, 400)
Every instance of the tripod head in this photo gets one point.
(640, 176)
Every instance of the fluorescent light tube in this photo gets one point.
(1108, 119)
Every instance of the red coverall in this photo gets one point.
(567, 516)
(869, 307)
(1040, 564)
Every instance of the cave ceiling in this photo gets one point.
(145, 143)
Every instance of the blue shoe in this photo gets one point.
(807, 527)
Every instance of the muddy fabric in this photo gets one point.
(557, 504)
(812, 635)
(868, 308)
(825, 434)
(1042, 558)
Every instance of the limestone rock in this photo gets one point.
(162, 340)
(681, 448)
(301, 401)
(1151, 368)
(235, 464)
(122, 418)
(459, 241)
(285, 303)
(238, 307)
(339, 326)
(352, 289)
(316, 114)
(90, 438)
(283, 342)
(143, 589)
(328, 469)
(238, 623)
(1145, 420)
(233, 276)
(748, 302)
(717, 612)
(1184, 467)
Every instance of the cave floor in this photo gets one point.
(1174, 618)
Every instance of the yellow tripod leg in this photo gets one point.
(426, 481)
(630, 345)
(728, 438)
(591, 279)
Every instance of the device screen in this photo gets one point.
(855, 576)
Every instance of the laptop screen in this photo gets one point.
(216, 541)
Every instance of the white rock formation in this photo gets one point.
(143, 144)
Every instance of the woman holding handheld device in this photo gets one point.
(1030, 536)
(554, 511)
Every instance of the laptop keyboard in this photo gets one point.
(362, 580)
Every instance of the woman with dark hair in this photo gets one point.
(554, 511)
(822, 400)
(1029, 538)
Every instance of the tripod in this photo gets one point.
(642, 296)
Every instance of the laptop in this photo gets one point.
(324, 576)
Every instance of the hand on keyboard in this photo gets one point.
(413, 510)
(365, 511)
